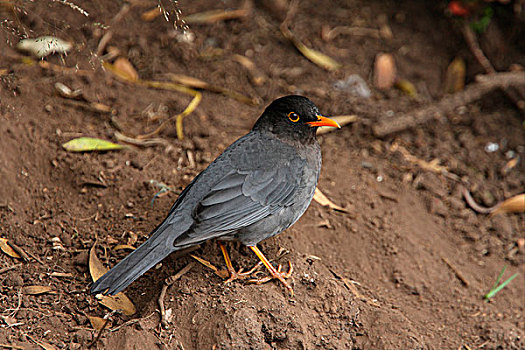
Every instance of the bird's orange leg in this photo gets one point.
(274, 273)
(235, 275)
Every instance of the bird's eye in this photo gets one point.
(294, 117)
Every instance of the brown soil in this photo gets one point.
(386, 275)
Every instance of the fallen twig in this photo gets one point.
(106, 318)
(167, 283)
(484, 84)
(9, 268)
(458, 273)
(472, 42)
(141, 142)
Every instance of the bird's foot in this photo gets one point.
(277, 274)
(240, 275)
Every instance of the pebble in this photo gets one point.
(456, 204)
(436, 206)
(502, 225)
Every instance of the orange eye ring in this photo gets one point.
(294, 117)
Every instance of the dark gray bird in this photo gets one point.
(258, 187)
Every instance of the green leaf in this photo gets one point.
(88, 144)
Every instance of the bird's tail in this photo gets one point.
(151, 252)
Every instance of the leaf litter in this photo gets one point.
(118, 301)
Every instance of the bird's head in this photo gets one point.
(293, 117)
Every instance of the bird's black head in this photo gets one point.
(293, 117)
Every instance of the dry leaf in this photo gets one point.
(35, 290)
(90, 144)
(8, 250)
(118, 301)
(124, 246)
(320, 198)
(406, 86)
(215, 16)
(96, 269)
(384, 71)
(125, 69)
(115, 302)
(342, 120)
(514, 204)
(455, 77)
(316, 57)
(97, 322)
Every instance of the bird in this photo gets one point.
(258, 187)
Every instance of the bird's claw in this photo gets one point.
(279, 275)
(240, 275)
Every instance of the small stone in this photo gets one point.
(109, 163)
(456, 204)
(502, 225)
(137, 164)
(436, 206)
(488, 198)
(81, 259)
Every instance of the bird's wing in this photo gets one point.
(241, 198)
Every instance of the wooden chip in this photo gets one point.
(35, 290)
(124, 246)
(125, 69)
(7, 249)
(97, 322)
(320, 198)
(62, 274)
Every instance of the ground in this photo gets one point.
(407, 265)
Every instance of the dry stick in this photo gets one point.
(9, 346)
(484, 84)
(167, 283)
(20, 251)
(9, 268)
(107, 318)
(472, 42)
(458, 273)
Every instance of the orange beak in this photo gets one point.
(324, 121)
